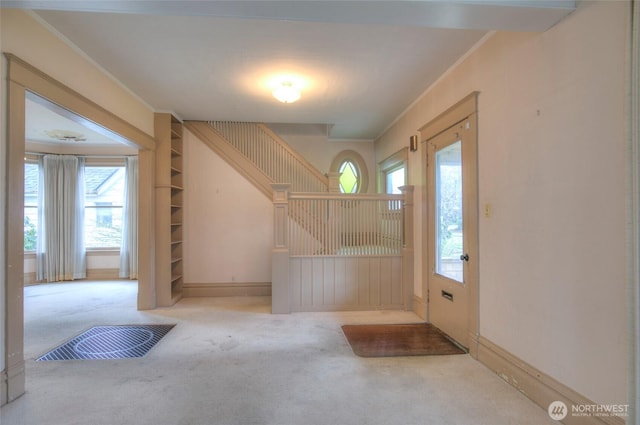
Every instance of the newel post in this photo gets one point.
(334, 181)
(407, 246)
(280, 251)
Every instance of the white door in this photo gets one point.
(452, 226)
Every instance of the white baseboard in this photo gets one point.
(13, 382)
(3, 388)
(232, 289)
(536, 385)
(103, 274)
(420, 307)
(92, 274)
(30, 278)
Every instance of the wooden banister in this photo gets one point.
(302, 160)
(272, 155)
(214, 140)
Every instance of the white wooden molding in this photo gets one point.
(3, 388)
(420, 307)
(103, 274)
(407, 250)
(536, 385)
(232, 156)
(227, 289)
(93, 115)
(280, 302)
(634, 213)
(307, 165)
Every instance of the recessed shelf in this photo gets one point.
(169, 172)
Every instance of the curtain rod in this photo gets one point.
(83, 156)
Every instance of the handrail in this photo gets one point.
(347, 197)
(272, 155)
(216, 142)
(329, 224)
(303, 161)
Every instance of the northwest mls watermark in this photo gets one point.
(558, 410)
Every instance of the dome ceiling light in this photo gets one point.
(286, 92)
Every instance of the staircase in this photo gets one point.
(259, 155)
(332, 251)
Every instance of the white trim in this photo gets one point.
(361, 165)
(230, 289)
(3, 388)
(392, 163)
(634, 214)
(420, 307)
(536, 385)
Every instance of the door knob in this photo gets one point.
(464, 257)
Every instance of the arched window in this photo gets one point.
(354, 176)
(350, 177)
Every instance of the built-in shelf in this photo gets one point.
(169, 204)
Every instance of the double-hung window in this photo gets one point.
(31, 183)
(104, 195)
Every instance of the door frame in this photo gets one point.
(465, 108)
(22, 78)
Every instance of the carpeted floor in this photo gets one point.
(229, 361)
(415, 339)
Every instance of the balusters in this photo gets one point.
(271, 157)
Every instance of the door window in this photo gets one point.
(449, 239)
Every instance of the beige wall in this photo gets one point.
(228, 222)
(310, 141)
(552, 166)
(552, 140)
(23, 35)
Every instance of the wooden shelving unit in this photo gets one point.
(169, 205)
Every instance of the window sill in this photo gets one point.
(92, 252)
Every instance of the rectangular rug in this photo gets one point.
(416, 339)
(109, 342)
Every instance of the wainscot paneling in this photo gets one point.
(345, 283)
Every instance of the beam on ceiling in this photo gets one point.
(503, 15)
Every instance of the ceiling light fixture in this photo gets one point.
(286, 92)
(66, 135)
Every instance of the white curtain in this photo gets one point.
(129, 245)
(60, 250)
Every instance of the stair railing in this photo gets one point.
(272, 155)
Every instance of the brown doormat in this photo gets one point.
(417, 339)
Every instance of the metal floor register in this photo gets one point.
(109, 342)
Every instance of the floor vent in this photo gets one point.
(109, 342)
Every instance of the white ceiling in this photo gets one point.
(364, 61)
(45, 120)
(41, 121)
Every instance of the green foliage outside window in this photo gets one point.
(30, 235)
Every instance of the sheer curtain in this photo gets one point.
(129, 244)
(60, 249)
